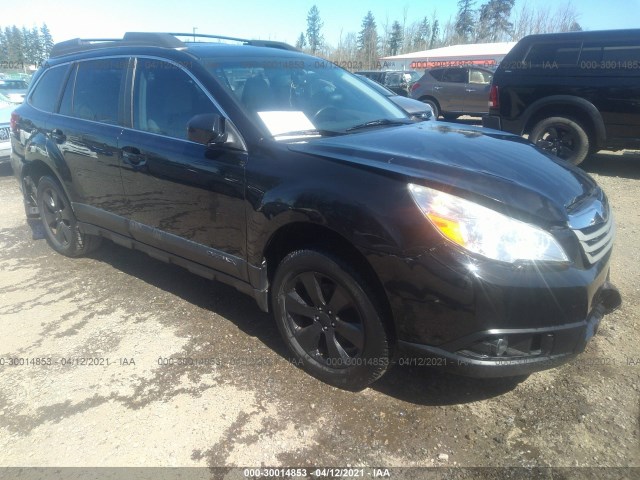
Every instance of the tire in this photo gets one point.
(59, 222)
(434, 106)
(330, 320)
(564, 137)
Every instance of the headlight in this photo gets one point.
(484, 231)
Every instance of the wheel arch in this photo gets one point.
(32, 172)
(432, 99)
(304, 235)
(567, 106)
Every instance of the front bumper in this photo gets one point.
(512, 352)
(487, 319)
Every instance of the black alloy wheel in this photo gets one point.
(59, 221)
(329, 321)
(563, 137)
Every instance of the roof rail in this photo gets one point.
(244, 41)
(150, 39)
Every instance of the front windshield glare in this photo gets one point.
(296, 97)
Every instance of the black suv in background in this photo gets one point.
(572, 93)
(368, 235)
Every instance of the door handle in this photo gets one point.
(132, 156)
(437, 88)
(57, 136)
(470, 89)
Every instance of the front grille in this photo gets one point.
(4, 134)
(597, 240)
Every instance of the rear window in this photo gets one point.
(553, 54)
(45, 95)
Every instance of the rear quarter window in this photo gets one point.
(46, 92)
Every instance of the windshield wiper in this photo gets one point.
(307, 133)
(376, 123)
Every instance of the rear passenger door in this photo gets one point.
(182, 196)
(451, 90)
(86, 130)
(477, 91)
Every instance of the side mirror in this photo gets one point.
(207, 129)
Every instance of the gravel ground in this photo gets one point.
(249, 406)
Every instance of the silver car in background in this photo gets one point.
(417, 110)
(455, 91)
(15, 90)
(5, 131)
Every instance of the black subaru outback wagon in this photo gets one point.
(367, 235)
(572, 93)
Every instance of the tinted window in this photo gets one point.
(45, 95)
(166, 98)
(437, 73)
(455, 75)
(563, 54)
(393, 79)
(608, 55)
(93, 92)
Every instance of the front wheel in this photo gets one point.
(434, 106)
(60, 224)
(563, 137)
(329, 319)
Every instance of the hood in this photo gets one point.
(410, 105)
(502, 171)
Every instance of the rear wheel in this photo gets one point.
(563, 137)
(60, 224)
(330, 320)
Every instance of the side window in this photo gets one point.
(45, 95)
(562, 54)
(479, 76)
(455, 75)
(437, 73)
(93, 90)
(165, 99)
(610, 55)
(393, 80)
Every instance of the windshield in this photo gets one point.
(298, 96)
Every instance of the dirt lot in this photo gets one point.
(250, 406)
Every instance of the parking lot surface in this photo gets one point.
(121, 360)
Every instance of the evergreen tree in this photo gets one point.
(465, 21)
(46, 41)
(423, 35)
(313, 29)
(435, 31)
(395, 41)
(301, 42)
(368, 40)
(493, 21)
